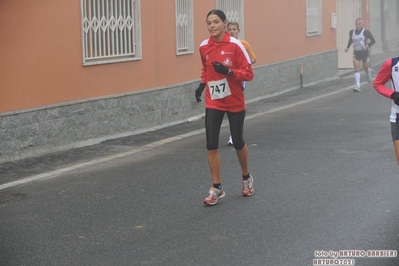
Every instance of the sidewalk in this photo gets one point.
(55, 163)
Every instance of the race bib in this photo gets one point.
(358, 44)
(219, 89)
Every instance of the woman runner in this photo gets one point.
(225, 65)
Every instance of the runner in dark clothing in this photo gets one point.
(362, 40)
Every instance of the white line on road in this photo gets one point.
(152, 145)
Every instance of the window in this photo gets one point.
(234, 12)
(313, 17)
(110, 31)
(184, 27)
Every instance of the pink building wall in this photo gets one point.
(41, 48)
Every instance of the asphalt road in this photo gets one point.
(326, 179)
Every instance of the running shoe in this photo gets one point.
(230, 142)
(356, 88)
(248, 186)
(214, 195)
(369, 78)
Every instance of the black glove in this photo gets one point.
(220, 68)
(395, 97)
(198, 92)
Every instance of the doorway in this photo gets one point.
(347, 12)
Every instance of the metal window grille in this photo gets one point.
(110, 31)
(234, 12)
(184, 26)
(313, 17)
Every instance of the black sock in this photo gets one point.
(245, 177)
(217, 186)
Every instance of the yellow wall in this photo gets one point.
(41, 48)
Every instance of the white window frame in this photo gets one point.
(314, 17)
(184, 27)
(111, 31)
(234, 10)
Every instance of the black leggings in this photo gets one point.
(213, 122)
(395, 131)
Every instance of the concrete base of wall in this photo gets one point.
(278, 77)
(40, 131)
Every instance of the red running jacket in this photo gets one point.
(231, 53)
(389, 71)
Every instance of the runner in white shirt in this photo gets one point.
(362, 40)
(390, 72)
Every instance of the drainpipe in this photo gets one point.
(384, 23)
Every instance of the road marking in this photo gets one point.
(53, 174)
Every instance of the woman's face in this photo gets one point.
(216, 26)
(233, 31)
